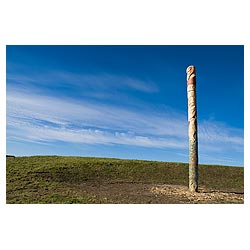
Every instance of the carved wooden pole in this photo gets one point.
(192, 129)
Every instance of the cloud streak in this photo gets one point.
(84, 81)
(41, 118)
(47, 118)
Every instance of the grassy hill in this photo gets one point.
(57, 179)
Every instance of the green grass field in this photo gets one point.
(57, 179)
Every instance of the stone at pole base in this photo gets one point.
(192, 129)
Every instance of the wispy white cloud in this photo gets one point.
(83, 114)
(97, 82)
(46, 118)
(30, 132)
(212, 131)
(41, 118)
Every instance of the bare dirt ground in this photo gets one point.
(203, 196)
(141, 193)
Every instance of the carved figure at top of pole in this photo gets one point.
(190, 74)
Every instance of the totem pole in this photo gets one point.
(192, 129)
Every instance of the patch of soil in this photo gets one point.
(203, 196)
(143, 193)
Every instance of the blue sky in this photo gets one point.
(124, 101)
